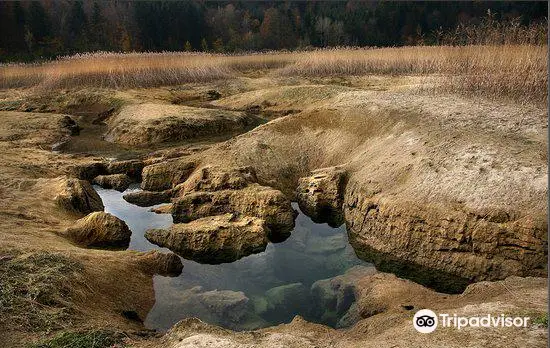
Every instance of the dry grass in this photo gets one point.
(34, 291)
(512, 71)
(118, 70)
(515, 71)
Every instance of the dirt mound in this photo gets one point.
(147, 124)
(282, 98)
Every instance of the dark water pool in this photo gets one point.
(259, 290)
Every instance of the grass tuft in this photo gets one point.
(541, 320)
(84, 339)
(34, 291)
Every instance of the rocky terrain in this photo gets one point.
(148, 124)
(447, 192)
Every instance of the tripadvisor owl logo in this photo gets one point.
(425, 321)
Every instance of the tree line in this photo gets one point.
(33, 30)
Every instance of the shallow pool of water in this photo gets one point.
(259, 290)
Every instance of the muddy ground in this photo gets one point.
(443, 190)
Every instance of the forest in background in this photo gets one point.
(39, 30)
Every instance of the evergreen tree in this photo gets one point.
(77, 25)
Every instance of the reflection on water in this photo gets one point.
(256, 291)
(138, 219)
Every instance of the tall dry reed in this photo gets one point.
(511, 71)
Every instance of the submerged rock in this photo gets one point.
(335, 296)
(284, 301)
(119, 182)
(148, 198)
(263, 202)
(213, 239)
(164, 264)
(228, 308)
(100, 229)
(321, 195)
(229, 305)
(75, 195)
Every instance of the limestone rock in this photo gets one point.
(412, 240)
(164, 264)
(132, 168)
(320, 196)
(165, 175)
(285, 300)
(215, 178)
(148, 198)
(224, 307)
(88, 171)
(100, 229)
(76, 195)
(335, 296)
(119, 182)
(163, 209)
(254, 200)
(213, 239)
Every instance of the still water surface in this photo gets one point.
(259, 290)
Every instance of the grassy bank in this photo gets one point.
(512, 71)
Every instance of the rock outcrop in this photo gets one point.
(132, 168)
(148, 198)
(321, 195)
(68, 123)
(413, 240)
(100, 229)
(119, 182)
(215, 178)
(87, 171)
(165, 175)
(74, 195)
(262, 202)
(213, 239)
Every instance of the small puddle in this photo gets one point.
(256, 291)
